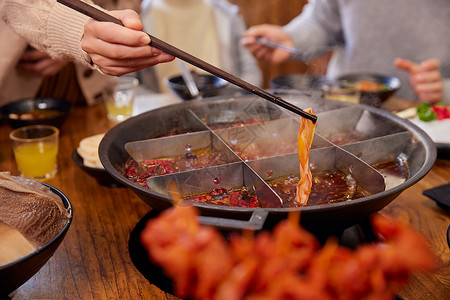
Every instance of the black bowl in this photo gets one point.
(208, 85)
(102, 177)
(46, 111)
(15, 274)
(373, 98)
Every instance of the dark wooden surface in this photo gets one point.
(93, 261)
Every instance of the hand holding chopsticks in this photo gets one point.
(167, 48)
(118, 50)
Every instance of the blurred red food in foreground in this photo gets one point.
(287, 263)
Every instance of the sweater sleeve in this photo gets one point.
(47, 25)
(317, 28)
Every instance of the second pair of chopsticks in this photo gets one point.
(99, 15)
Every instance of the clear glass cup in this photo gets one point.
(341, 91)
(35, 148)
(118, 95)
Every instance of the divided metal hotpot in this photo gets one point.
(266, 139)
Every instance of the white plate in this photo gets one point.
(438, 130)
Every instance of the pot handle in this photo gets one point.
(256, 221)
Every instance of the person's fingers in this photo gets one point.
(257, 30)
(435, 86)
(248, 41)
(52, 69)
(263, 53)
(120, 67)
(130, 34)
(129, 18)
(426, 77)
(113, 34)
(33, 55)
(98, 47)
(406, 65)
(269, 31)
(117, 49)
(430, 64)
(43, 67)
(428, 86)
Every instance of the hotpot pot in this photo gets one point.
(384, 137)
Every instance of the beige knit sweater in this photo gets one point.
(51, 27)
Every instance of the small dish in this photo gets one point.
(208, 85)
(374, 88)
(36, 111)
(101, 175)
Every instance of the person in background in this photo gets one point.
(208, 29)
(404, 38)
(44, 37)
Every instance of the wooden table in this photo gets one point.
(93, 261)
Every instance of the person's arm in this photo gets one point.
(58, 30)
(40, 63)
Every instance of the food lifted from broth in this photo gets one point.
(304, 141)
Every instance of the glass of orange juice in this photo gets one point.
(118, 96)
(36, 150)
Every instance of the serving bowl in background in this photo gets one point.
(36, 111)
(208, 86)
(374, 88)
(16, 273)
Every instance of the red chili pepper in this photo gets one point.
(234, 198)
(254, 202)
(442, 112)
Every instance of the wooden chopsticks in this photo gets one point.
(101, 16)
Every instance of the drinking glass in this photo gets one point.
(118, 96)
(35, 148)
